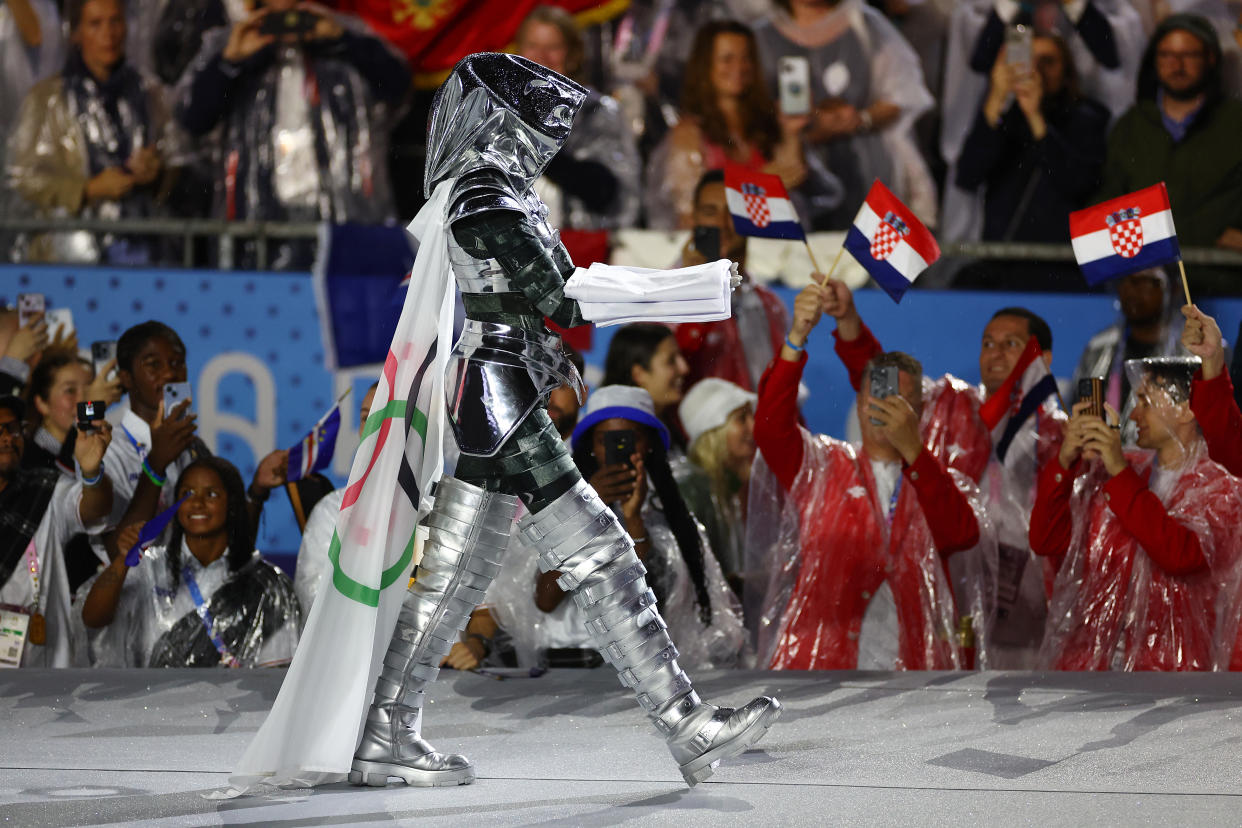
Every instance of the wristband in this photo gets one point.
(152, 476)
(865, 121)
(793, 347)
(643, 539)
(93, 481)
(257, 497)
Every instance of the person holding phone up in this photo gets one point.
(859, 539)
(1146, 541)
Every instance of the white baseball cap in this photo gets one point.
(709, 403)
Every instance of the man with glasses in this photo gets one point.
(1183, 131)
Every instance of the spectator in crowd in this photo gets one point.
(646, 354)
(1016, 587)
(156, 445)
(1040, 156)
(1145, 540)
(867, 91)
(313, 562)
(858, 573)
(719, 418)
(1183, 131)
(1097, 32)
(682, 570)
(207, 599)
(563, 402)
(31, 49)
(91, 142)
(738, 348)
(727, 115)
(1211, 394)
(60, 381)
(20, 347)
(592, 184)
(1149, 327)
(305, 97)
(39, 510)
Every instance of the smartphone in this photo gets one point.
(59, 322)
(1018, 46)
(91, 410)
(174, 393)
(883, 384)
(619, 447)
(291, 22)
(1092, 388)
(793, 76)
(29, 305)
(103, 352)
(707, 242)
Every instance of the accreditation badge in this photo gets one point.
(14, 629)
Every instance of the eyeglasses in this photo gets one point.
(11, 428)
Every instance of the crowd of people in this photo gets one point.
(990, 119)
(1091, 534)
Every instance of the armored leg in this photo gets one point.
(580, 537)
(469, 529)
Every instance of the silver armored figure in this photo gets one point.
(495, 124)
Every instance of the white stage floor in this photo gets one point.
(571, 748)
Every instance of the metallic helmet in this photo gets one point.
(502, 112)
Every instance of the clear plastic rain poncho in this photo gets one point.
(304, 133)
(1114, 607)
(72, 127)
(820, 555)
(718, 644)
(253, 612)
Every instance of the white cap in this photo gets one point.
(709, 403)
(627, 402)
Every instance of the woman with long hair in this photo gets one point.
(207, 599)
(702, 614)
(646, 355)
(727, 116)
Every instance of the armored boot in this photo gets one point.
(469, 530)
(580, 537)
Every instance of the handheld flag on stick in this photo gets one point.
(760, 207)
(1125, 235)
(314, 452)
(890, 242)
(1019, 397)
(150, 531)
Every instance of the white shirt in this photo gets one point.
(313, 563)
(123, 465)
(878, 637)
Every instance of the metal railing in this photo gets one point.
(228, 233)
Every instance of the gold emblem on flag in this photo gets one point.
(422, 14)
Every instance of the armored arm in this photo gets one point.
(501, 231)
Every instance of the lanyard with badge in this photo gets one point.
(227, 659)
(21, 625)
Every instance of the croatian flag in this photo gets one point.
(1124, 235)
(314, 452)
(889, 242)
(1019, 397)
(760, 206)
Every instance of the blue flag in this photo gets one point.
(151, 530)
(314, 452)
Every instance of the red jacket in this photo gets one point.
(717, 349)
(1142, 575)
(1215, 408)
(845, 545)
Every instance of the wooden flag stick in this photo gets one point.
(832, 269)
(811, 253)
(1185, 285)
(295, 500)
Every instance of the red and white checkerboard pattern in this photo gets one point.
(1127, 237)
(757, 208)
(885, 241)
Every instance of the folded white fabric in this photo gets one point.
(615, 294)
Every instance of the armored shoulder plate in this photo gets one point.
(483, 191)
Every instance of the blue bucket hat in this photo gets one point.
(626, 402)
